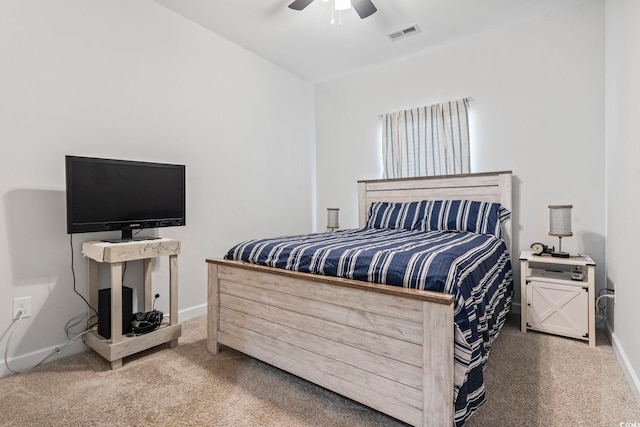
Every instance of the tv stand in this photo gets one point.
(116, 254)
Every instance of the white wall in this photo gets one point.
(538, 110)
(133, 80)
(622, 177)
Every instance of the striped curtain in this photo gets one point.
(425, 141)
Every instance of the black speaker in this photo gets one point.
(104, 311)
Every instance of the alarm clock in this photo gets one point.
(540, 248)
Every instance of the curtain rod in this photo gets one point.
(468, 99)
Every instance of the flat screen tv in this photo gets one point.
(123, 195)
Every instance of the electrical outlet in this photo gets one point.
(22, 304)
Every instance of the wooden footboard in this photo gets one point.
(386, 347)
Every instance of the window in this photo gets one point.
(432, 140)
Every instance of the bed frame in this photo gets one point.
(386, 347)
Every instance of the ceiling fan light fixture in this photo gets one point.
(364, 8)
(342, 4)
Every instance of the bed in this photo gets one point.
(395, 349)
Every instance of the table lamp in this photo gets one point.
(560, 225)
(332, 218)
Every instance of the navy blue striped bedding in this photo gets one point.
(475, 268)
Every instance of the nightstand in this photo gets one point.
(554, 302)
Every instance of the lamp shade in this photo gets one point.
(560, 220)
(332, 218)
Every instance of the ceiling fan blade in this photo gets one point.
(364, 8)
(300, 4)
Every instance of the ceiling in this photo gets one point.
(308, 45)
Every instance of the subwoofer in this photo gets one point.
(104, 311)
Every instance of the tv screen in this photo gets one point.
(123, 195)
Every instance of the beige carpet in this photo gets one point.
(532, 380)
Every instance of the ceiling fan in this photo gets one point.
(363, 8)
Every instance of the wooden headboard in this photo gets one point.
(484, 187)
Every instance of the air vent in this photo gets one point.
(405, 32)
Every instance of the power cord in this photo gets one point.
(603, 307)
(16, 321)
(6, 348)
(73, 273)
(75, 321)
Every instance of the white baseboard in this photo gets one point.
(192, 312)
(625, 364)
(28, 361)
(25, 362)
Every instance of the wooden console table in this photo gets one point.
(116, 254)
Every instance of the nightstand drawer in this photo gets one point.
(558, 308)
